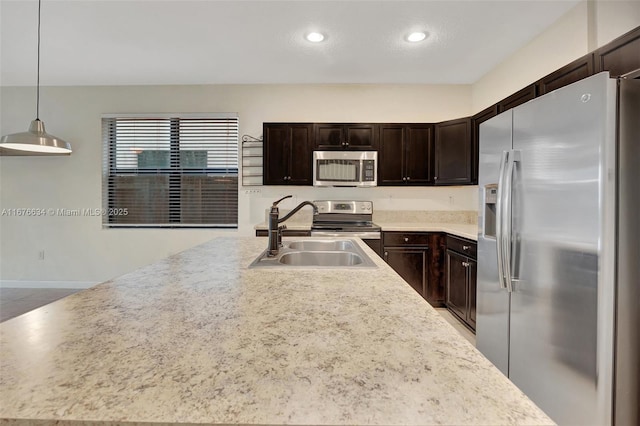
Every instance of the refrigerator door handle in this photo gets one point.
(514, 157)
(499, 215)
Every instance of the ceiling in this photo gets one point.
(123, 42)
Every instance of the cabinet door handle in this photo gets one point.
(408, 178)
(404, 179)
(347, 143)
(465, 264)
(435, 178)
(386, 254)
(466, 247)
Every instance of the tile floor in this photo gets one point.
(17, 301)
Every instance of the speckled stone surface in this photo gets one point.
(199, 338)
(460, 229)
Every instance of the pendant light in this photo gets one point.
(35, 141)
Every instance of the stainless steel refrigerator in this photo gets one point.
(558, 290)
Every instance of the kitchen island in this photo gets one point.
(200, 338)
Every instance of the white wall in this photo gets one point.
(562, 42)
(587, 26)
(614, 18)
(77, 249)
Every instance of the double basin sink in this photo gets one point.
(317, 253)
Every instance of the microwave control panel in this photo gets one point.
(368, 170)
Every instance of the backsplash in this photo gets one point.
(303, 217)
(429, 216)
(446, 204)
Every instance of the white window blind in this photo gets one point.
(170, 171)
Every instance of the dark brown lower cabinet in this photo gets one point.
(461, 273)
(456, 292)
(473, 274)
(376, 245)
(411, 264)
(418, 257)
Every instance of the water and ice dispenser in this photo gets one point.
(490, 199)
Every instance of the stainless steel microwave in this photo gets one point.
(345, 168)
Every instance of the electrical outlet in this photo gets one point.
(252, 191)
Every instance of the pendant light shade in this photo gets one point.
(35, 141)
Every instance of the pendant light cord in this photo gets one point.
(38, 82)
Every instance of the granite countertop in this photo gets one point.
(460, 223)
(464, 230)
(200, 338)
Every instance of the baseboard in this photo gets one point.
(46, 284)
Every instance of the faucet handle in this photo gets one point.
(275, 203)
(280, 228)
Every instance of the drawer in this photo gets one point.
(463, 246)
(405, 239)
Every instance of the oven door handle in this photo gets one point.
(363, 235)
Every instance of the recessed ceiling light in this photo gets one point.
(315, 37)
(416, 36)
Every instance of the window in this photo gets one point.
(170, 171)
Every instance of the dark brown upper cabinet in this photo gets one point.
(518, 98)
(405, 152)
(452, 152)
(476, 120)
(577, 70)
(621, 56)
(288, 153)
(338, 136)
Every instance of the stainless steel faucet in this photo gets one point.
(275, 231)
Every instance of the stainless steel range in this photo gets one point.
(345, 219)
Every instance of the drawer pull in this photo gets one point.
(406, 239)
(466, 247)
